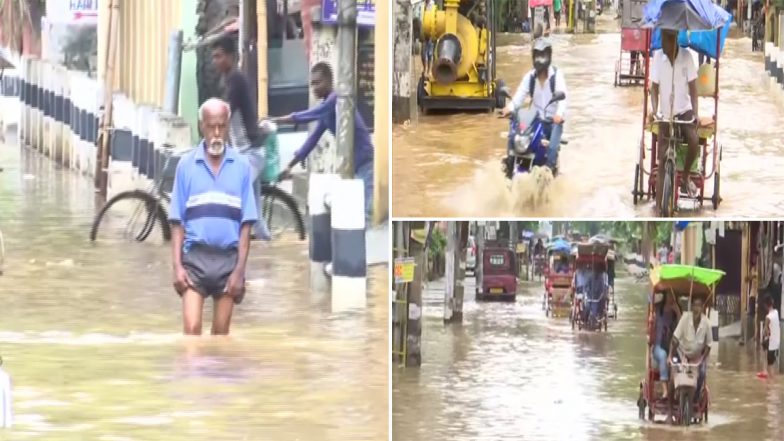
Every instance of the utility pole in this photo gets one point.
(414, 319)
(402, 104)
(346, 86)
(480, 253)
(453, 296)
(347, 196)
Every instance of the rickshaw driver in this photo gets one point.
(682, 87)
(694, 334)
(597, 288)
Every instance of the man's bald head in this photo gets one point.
(214, 117)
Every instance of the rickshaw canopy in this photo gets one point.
(685, 279)
(692, 15)
(702, 42)
(559, 246)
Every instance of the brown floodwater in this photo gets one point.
(91, 334)
(448, 164)
(510, 373)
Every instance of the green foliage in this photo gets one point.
(437, 243)
(663, 232)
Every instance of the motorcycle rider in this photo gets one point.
(540, 84)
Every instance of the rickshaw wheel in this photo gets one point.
(637, 192)
(716, 199)
(685, 408)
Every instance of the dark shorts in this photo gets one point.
(209, 269)
(772, 356)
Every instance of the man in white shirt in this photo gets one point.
(694, 336)
(540, 84)
(674, 93)
(772, 335)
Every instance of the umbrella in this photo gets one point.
(693, 15)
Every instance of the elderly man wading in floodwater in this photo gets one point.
(212, 212)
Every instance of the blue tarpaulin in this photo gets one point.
(681, 225)
(702, 42)
(684, 15)
(560, 245)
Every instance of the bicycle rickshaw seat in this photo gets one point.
(706, 129)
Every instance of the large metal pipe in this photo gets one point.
(448, 53)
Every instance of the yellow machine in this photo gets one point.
(463, 70)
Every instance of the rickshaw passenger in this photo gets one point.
(562, 265)
(667, 314)
(581, 277)
(682, 86)
(693, 334)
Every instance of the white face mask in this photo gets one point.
(542, 59)
(216, 147)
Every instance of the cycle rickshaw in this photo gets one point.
(705, 33)
(558, 279)
(681, 283)
(590, 293)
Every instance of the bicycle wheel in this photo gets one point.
(281, 212)
(131, 215)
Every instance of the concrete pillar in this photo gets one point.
(689, 244)
(403, 91)
(320, 251)
(323, 158)
(381, 114)
(744, 291)
(349, 267)
(414, 319)
(453, 298)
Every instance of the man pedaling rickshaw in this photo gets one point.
(693, 336)
(679, 86)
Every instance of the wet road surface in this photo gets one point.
(510, 373)
(91, 335)
(449, 164)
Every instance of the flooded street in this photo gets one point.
(91, 334)
(450, 164)
(510, 373)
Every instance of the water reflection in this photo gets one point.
(91, 335)
(510, 373)
(449, 164)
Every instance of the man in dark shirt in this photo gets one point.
(244, 131)
(326, 115)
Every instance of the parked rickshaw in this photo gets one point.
(499, 273)
(590, 288)
(706, 36)
(558, 279)
(681, 283)
(630, 69)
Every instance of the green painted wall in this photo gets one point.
(189, 96)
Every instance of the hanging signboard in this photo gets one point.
(366, 12)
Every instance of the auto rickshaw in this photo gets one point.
(558, 279)
(499, 274)
(680, 283)
(590, 288)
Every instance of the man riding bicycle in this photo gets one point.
(674, 77)
(540, 84)
(245, 134)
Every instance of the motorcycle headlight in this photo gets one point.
(521, 143)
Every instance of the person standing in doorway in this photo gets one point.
(212, 212)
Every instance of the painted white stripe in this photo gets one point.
(214, 197)
(348, 293)
(348, 204)
(319, 185)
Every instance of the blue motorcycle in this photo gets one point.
(529, 142)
